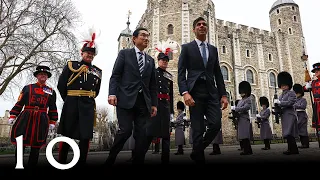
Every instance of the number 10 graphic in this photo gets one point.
(50, 158)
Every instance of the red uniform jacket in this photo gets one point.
(34, 111)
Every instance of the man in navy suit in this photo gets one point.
(203, 88)
(133, 90)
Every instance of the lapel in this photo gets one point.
(196, 48)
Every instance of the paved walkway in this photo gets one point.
(230, 156)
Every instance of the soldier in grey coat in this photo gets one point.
(179, 128)
(288, 117)
(243, 107)
(263, 119)
(300, 107)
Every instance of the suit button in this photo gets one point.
(92, 84)
(80, 88)
(159, 81)
(80, 81)
(80, 75)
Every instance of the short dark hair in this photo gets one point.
(136, 32)
(197, 20)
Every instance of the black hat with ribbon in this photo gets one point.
(44, 69)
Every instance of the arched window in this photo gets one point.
(249, 74)
(253, 106)
(170, 29)
(272, 78)
(225, 74)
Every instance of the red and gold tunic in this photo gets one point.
(34, 111)
(316, 98)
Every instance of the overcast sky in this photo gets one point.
(111, 19)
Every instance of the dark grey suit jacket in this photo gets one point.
(125, 80)
(190, 61)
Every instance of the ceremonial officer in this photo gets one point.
(159, 126)
(79, 85)
(34, 113)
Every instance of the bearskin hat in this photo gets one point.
(284, 78)
(297, 88)
(245, 87)
(264, 101)
(180, 105)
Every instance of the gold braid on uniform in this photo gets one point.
(83, 69)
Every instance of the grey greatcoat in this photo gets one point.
(218, 139)
(265, 129)
(289, 121)
(300, 107)
(179, 133)
(244, 124)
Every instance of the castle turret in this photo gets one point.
(125, 37)
(286, 24)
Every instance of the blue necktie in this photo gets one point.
(204, 54)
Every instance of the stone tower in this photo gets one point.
(285, 22)
(124, 42)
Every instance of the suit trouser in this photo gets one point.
(33, 156)
(138, 115)
(211, 108)
(64, 149)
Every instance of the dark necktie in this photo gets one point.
(204, 54)
(141, 63)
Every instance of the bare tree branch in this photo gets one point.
(34, 32)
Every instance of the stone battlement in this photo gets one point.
(243, 28)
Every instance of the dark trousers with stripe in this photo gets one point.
(64, 149)
(33, 156)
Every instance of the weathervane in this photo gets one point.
(129, 13)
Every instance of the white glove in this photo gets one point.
(258, 116)
(308, 85)
(171, 117)
(233, 107)
(51, 126)
(276, 101)
(11, 120)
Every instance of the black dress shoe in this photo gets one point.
(289, 152)
(303, 147)
(178, 153)
(246, 153)
(265, 148)
(215, 153)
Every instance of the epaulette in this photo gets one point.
(97, 71)
(168, 75)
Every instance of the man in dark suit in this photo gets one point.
(203, 88)
(133, 90)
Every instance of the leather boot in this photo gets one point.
(247, 150)
(292, 146)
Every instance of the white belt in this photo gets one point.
(300, 110)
